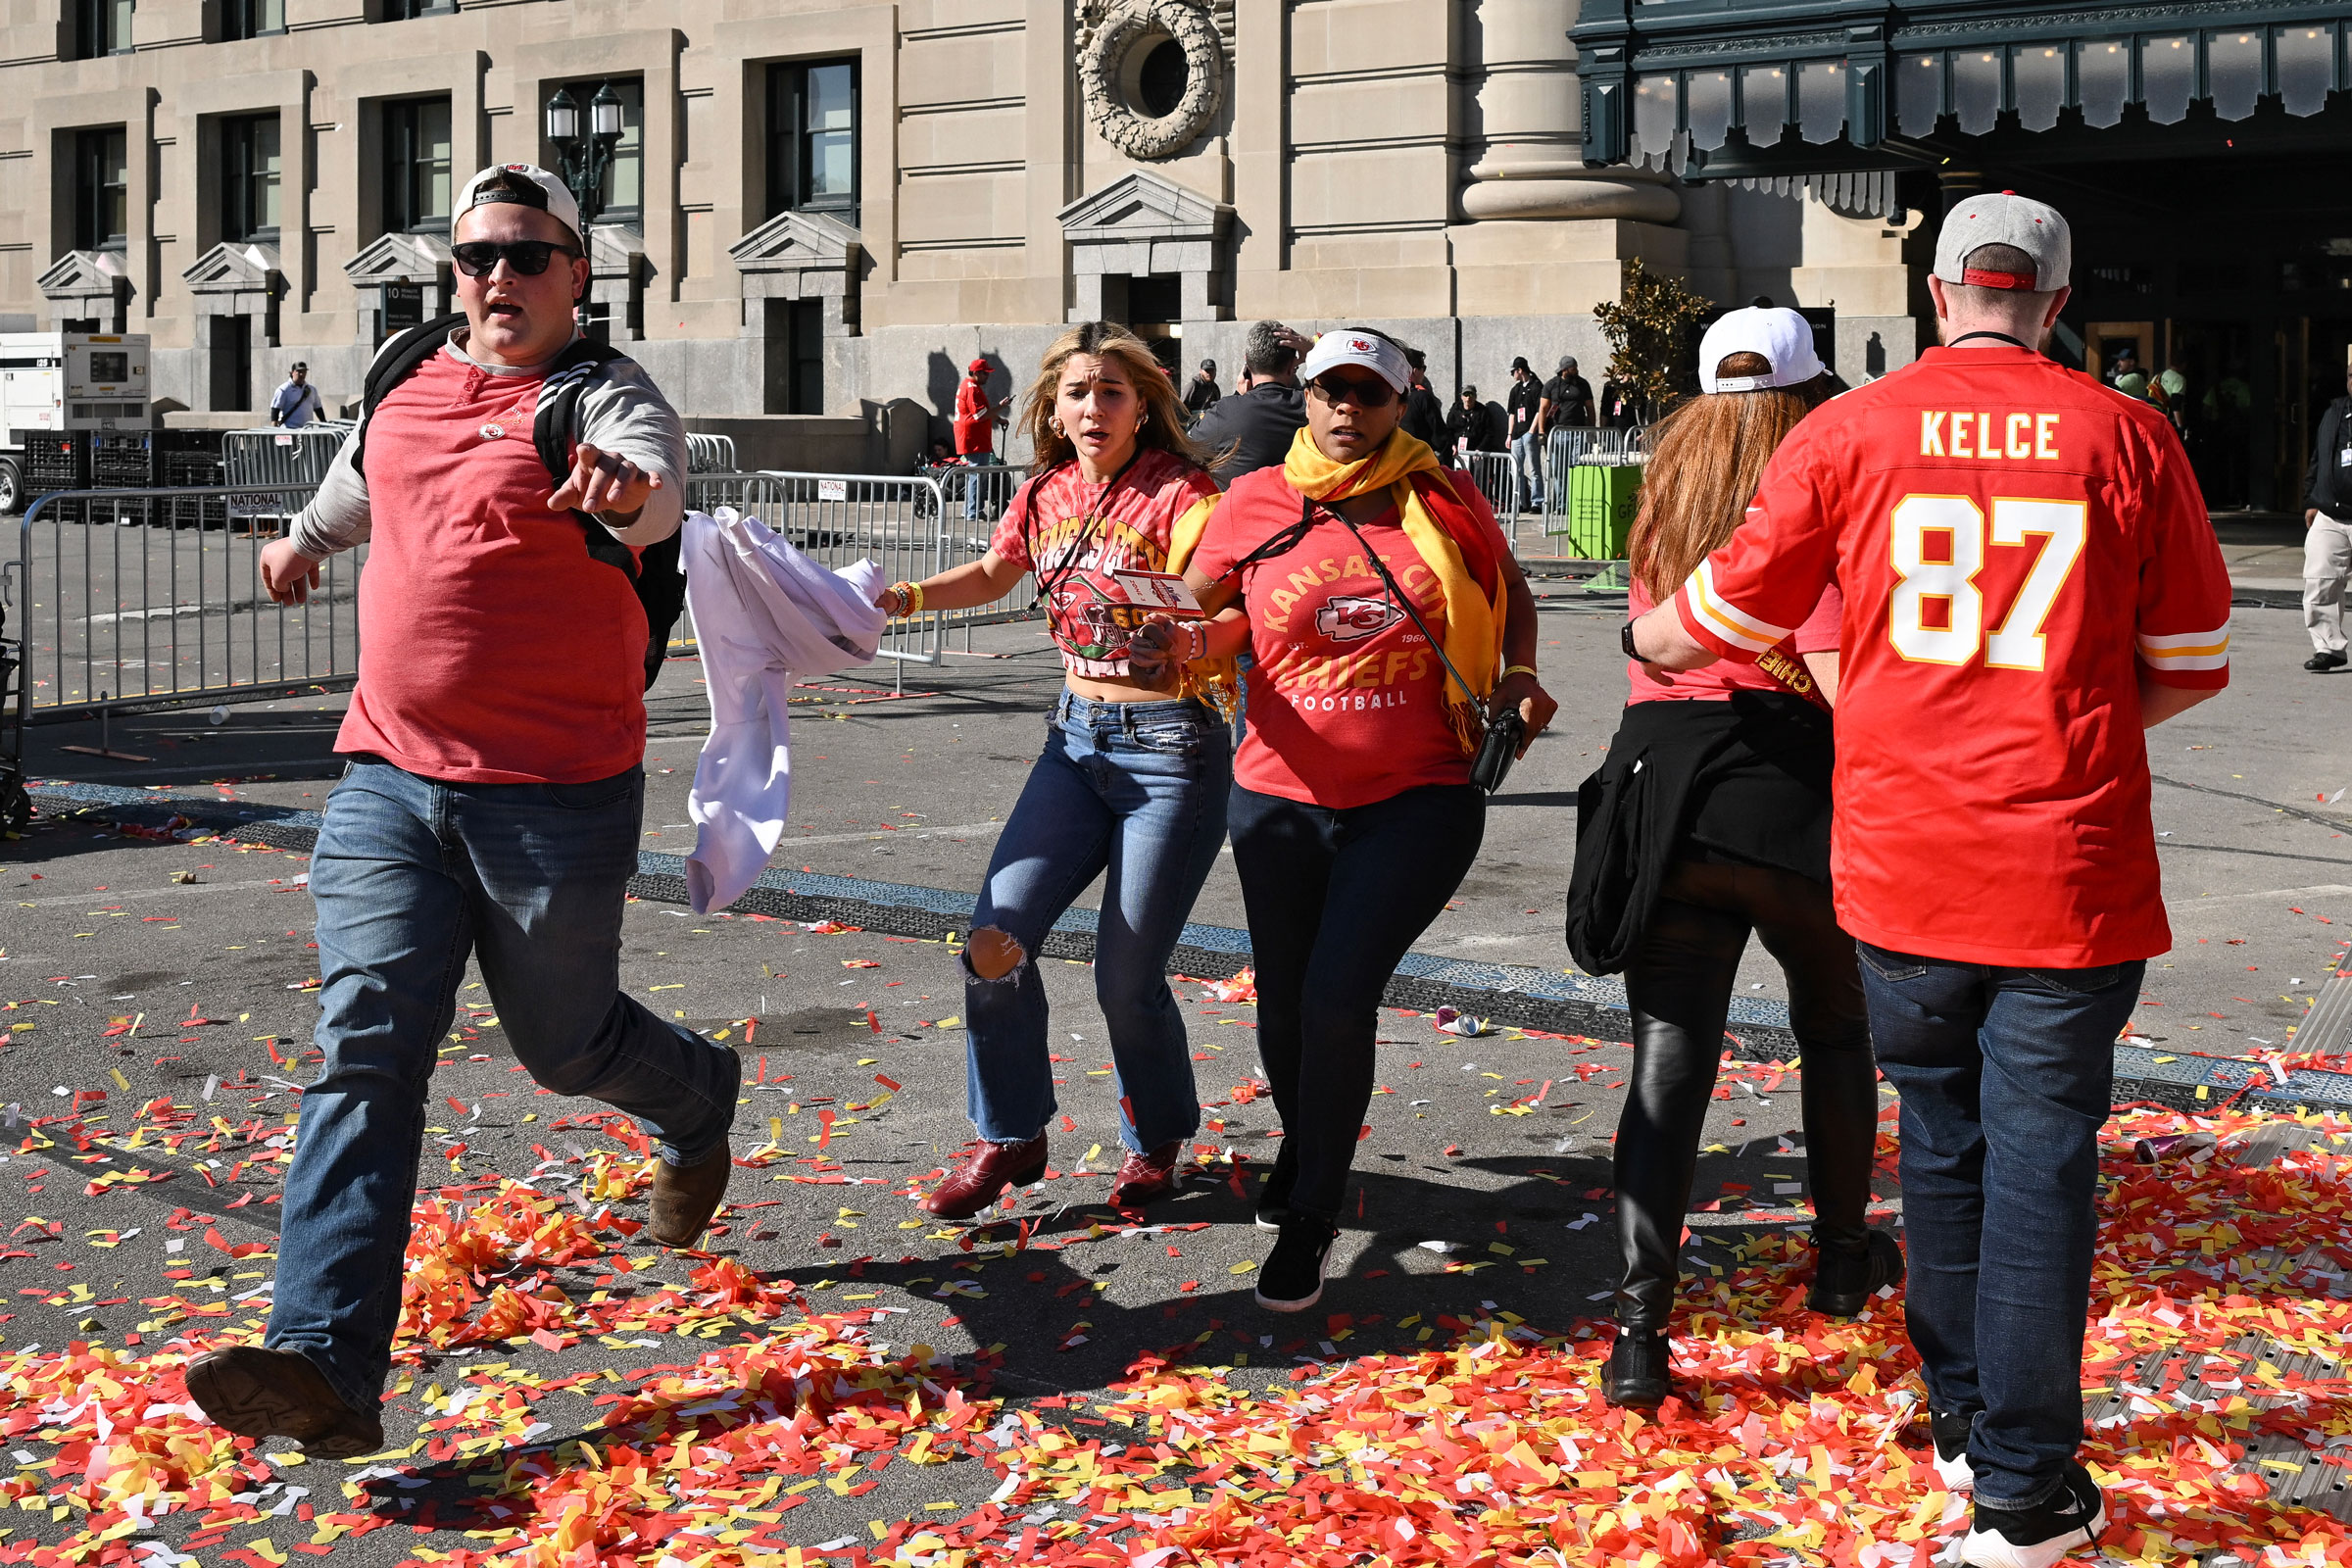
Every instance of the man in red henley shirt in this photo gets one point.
(490, 806)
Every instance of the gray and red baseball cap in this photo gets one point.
(2005, 218)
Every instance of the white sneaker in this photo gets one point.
(2042, 1535)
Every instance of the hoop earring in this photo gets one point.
(1143, 420)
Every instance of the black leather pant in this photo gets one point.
(1678, 984)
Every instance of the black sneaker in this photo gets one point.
(2323, 662)
(2037, 1537)
(1951, 1430)
(1638, 1378)
(1293, 1278)
(1843, 1284)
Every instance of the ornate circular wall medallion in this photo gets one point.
(1128, 73)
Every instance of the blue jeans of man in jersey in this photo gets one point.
(1134, 792)
(2005, 1076)
(412, 876)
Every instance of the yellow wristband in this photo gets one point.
(1519, 670)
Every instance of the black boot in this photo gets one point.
(1638, 1378)
(1845, 1281)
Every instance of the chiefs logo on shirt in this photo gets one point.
(1348, 617)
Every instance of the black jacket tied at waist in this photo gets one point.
(1746, 781)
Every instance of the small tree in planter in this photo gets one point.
(1649, 332)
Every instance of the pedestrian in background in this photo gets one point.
(1132, 778)
(1353, 816)
(1567, 399)
(1252, 430)
(1424, 417)
(296, 402)
(491, 805)
(977, 417)
(1526, 402)
(1710, 820)
(2007, 635)
(1472, 425)
(2327, 532)
(1203, 393)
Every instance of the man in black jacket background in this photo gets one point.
(1472, 425)
(2328, 533)
(1257, 422)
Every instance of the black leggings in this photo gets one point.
(1336, 898)
(1678, 984)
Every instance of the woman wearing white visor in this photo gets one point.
(1711, 820)
(1358, 573)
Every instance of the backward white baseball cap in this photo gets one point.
(1353, 345)
(2004, 218)
(1784, 337)
(525, 185)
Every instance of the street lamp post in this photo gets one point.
(585, 160)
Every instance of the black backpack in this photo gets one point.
(661, 584)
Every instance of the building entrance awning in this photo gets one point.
(1844, 97)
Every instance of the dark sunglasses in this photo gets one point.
(1367, 392)
(478, 258)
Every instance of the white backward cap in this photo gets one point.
(1784, 337)
(544, 191)
(1350, 345)
(2004, 218)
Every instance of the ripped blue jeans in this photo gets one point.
(1135, 790)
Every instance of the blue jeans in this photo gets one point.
(409, 875)
(1527, 458)
(2005, 1077)
(1137, 788)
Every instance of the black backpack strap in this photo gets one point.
(551, 430)
(397, 362)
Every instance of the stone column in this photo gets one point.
(1528, 113)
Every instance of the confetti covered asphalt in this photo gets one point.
(839, 1380)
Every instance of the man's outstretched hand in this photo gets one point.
(287, 573)
(605, 481)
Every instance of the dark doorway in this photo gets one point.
(805, 337)
(1155, 312)
(230, 340)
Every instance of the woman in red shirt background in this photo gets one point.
(1353, 816)
(1130, 780)
(1710, 819)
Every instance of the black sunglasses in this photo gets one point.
(478, 258)
(1366, 392)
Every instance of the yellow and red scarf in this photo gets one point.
(1451, 543)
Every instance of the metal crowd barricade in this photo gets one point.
(840, 518)
(129, 602)
(709, 453)
(975, 496)
(256, 462)
(1497, 479)
(1570, 445)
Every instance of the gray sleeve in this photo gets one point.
(623, 413)
(337, 518)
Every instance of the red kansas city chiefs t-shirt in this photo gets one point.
(2018, 545)
(1074, 535)
(1346, 697)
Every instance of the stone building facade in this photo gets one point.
(825, 206)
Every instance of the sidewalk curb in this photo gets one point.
(1515, 996)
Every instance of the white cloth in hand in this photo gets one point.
(763, 611)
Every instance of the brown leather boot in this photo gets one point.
(1143, 1177)
(983, 1175)
(280, 1394)
(685, 1196)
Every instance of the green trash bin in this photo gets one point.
(1602, 497)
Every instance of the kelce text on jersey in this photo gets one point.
(1987, 436)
